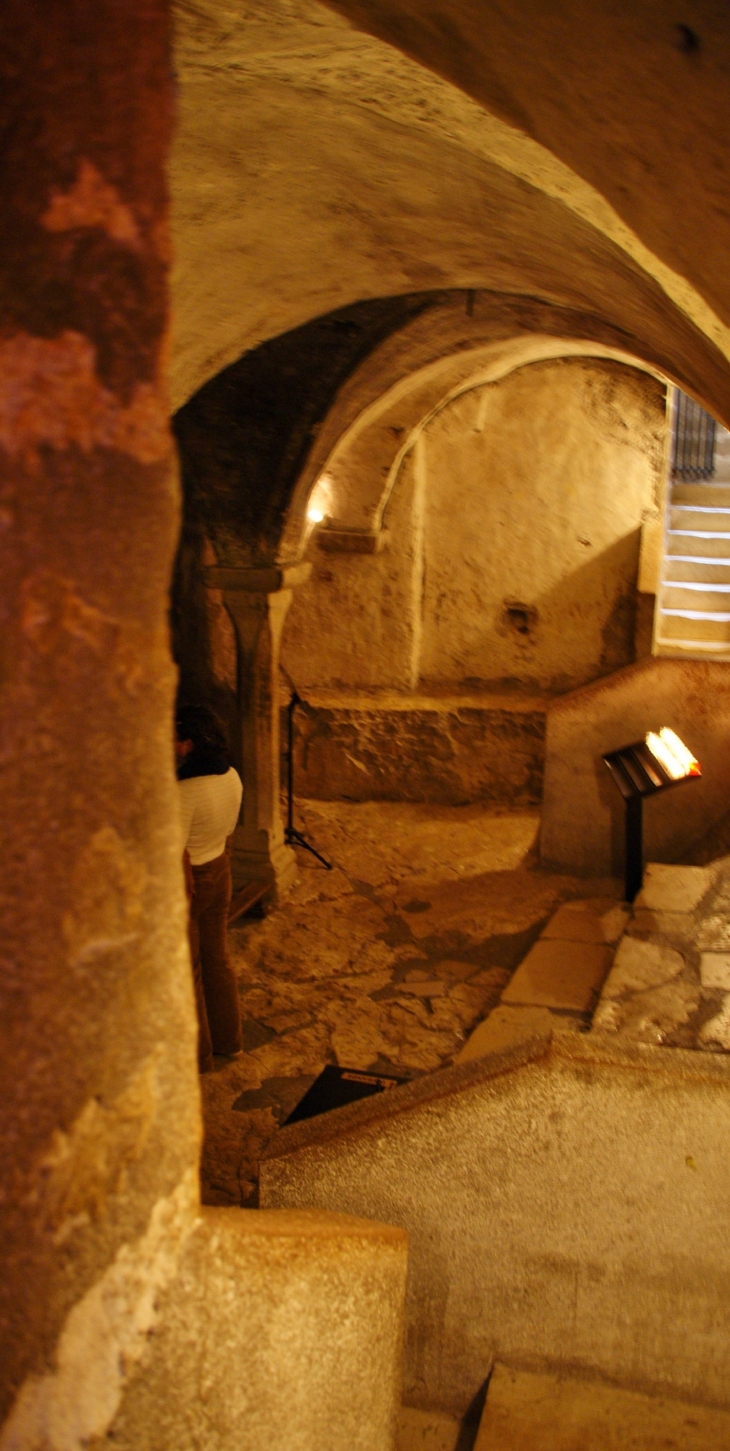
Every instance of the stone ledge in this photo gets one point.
(433, 1086)
(441, 749)
(569, 1050)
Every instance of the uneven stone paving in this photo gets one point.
(385, 963)
(670, 980)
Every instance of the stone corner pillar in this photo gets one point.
(258, 600)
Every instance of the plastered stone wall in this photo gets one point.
(564, 1207)
(535, 494)
(511, 547)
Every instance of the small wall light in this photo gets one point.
(320, 501)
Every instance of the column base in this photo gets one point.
(277, 867)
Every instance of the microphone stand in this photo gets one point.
(291, 835)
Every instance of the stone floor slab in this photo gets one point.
(597, 919)
(560, 975)
(715, 971)
(674, 888)
(532, 1412)
(639, 966)
(507, 1026)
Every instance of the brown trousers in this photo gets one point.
(216, 991)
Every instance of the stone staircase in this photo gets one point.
(693, 606)
(563, 1187)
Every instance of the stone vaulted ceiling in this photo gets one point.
(567, 154)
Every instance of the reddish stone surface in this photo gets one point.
(97, 1052)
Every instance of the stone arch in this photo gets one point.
(362, 470)
(255, 438)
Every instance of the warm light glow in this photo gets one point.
(672, 754)
(319, 507)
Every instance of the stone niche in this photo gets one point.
(508, 575)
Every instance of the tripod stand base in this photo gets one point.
(295, 838)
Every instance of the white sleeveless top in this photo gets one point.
(209, 807)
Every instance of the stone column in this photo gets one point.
(258, 600)
(99, 1107)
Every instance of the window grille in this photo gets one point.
(693, 440)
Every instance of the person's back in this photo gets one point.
(210, 799)
(209, 807)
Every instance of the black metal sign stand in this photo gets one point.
(291, 835)
(637, 774)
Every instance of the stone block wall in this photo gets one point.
(444, 750)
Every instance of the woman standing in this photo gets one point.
(210, 800)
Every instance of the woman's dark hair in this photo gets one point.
(210, 755)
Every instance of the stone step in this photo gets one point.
(709, 543)
(688, 625)
(695, 595)
(716, 650)
(716, 494)
(532, 1411)
(556, 986)
(654, 987)
(706, 571)
(699, 517)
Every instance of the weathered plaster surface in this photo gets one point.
(599, 91)
(359, 173)
(104, 1335)
(536, 489)
(282, 1332)
(512, 541)
(571, 1210)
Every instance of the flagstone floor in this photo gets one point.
(386, 962)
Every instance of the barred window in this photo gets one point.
(693, 440)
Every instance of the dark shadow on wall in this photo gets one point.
(244, 436)
(198, 683)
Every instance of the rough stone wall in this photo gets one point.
(511, 546)
(99, 1119)
(443, 750)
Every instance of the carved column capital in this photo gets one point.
(266, 580)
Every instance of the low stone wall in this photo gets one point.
(281, 1331)
(565, 1202)
(583, 813)
(448, 750)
